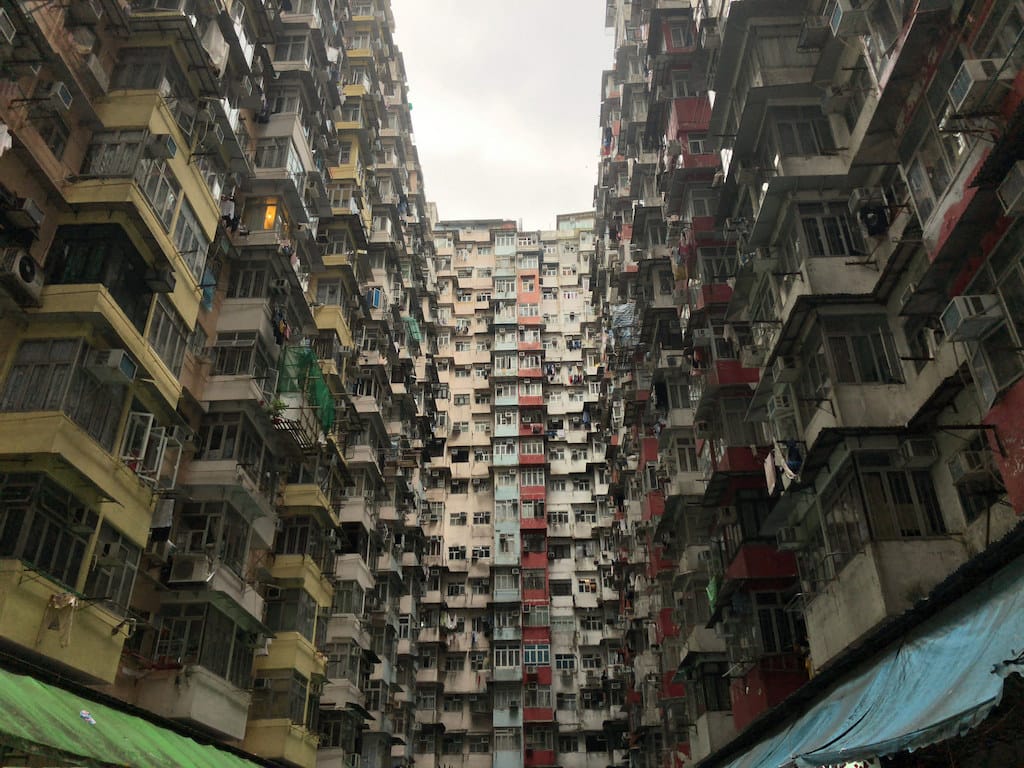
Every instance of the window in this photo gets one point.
(456, 589)
(567, 703)
(537, 696)
(36, 526)
(50, 376)
(801, 131)
(292, 610)
(828, 230)
(565, 661)
(681, 35)
(477, 660)
(710, 689)
(560, 587)
(482, 518)
(861, 349)
(457, 518)
(506, 739)
(457, 553)
(189, 239)
(290, 48)
(168, 334)
(871, 499)
(568, 742)
(506, 656)
(534, 579)
(451, 743)
(697, 144)
(532, 476)
(590, 661)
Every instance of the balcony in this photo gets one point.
(93, 303)
(873, 585)
(226, 478)
(205, 699)
(79, 462)
(290, 650)
(304, 569)
(92, 654)
(281, 739)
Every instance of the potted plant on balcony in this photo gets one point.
(274, 409)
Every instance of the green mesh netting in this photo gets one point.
(300, 373)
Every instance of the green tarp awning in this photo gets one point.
(40, 718)
(300, 373)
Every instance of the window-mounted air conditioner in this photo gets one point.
(971, 467)
(780, 404)
(1011, 191)
(161, 146)
(112, 366)
(918, 452)
(859, 197)
(847, 18)
(785, 370)
(161, 280)
(980, 84)
(189, 570)
(969, 318)
(702, 337)
(60, 97)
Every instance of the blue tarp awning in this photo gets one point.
(942, 679)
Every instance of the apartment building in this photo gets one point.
(806, 247)
(520, 654)
(217, 314)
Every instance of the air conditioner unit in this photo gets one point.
(785, 370)
(60, 97)
(94, 67)
(789, 538)
(513, 704)
(21, 276)
(1011, 191)
(161, 280)
(779, 405)
(189, 570)
(526, 609)
(969, 318)
(859, 197)
(25, 214)
(907, 295)
(847, 18)
(7, 29)
(918, 452)
(515, 571)
(531, 670)
(702, 337)
(280, 287)
(112, 366)
(160, 551)
(110, 555)
(980, 84)
(971, 467)
(161, 146)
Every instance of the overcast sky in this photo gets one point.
(506, 97)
